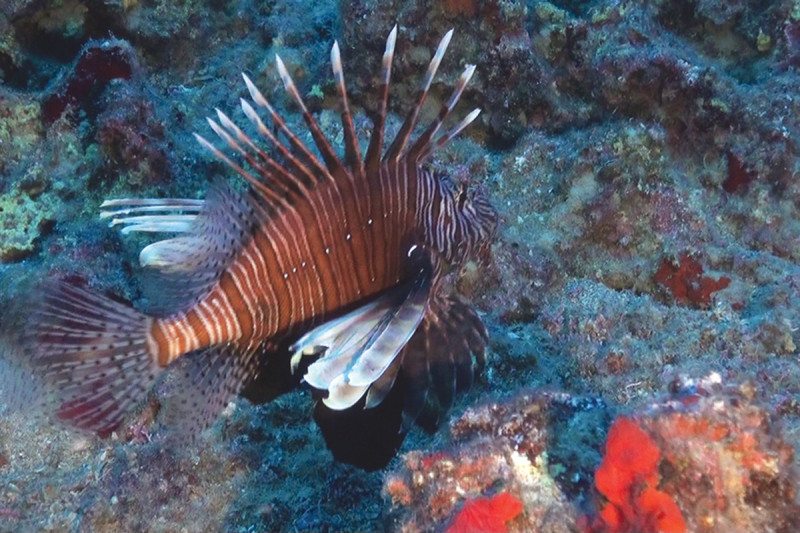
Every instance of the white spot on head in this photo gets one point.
(285, 275)
(303, 264)
(411, 250)
(369, 222)
(294, 269)
(348, 236)
(327, 250)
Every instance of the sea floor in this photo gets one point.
(642, 292)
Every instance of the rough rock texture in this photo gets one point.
(729, 467)
(536, 447)
(643, 156)
(704, 457)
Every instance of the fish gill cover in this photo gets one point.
(643, 160)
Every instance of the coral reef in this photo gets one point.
(722, 461)
(706, 457)
(22, 220)
(514, 451)
(487, 514)
(96, 65)
(686, 282)
(644, 159)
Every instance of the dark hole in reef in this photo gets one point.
(12, 75)
(99, 22)
(45, 51)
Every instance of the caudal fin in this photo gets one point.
(92, 355)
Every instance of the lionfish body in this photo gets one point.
(343, 257)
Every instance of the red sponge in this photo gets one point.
(487, 515)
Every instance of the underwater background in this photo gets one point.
(642, 298)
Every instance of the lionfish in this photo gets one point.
(330, 265)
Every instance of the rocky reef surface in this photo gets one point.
(643, 288)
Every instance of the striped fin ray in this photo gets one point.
(168, 215)
(441, 359)
(154, 215)
(274, 187)
(328, 154)
(424, 140)
(294, 141)
(352, 149)
(92, 356)
(282, 183)
(277, 185)
(363, 344)
(375, 149)
(22, 388)
(400, 141)
(427, 150)
(292, 184)
(271, 200)
(301, 173)
(381, 388)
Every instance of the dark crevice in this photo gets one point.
(12, 74)
(45, 52)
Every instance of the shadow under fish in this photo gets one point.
(330, 269)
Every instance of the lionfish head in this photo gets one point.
(473, 223)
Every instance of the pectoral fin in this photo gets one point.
(361, 346)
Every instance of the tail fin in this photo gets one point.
(93, 356)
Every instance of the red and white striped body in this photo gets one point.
(341, 246)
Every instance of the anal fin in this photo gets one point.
(201, 386)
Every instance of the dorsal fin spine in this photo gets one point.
(325, 148)
(375, 149)
(302, 174)
(296, 143)
(275, 171)
(444, 139)
(258, 186)
(399, 144)
(352, 150)
(273, 181)
(422, 144)
(322, 171)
